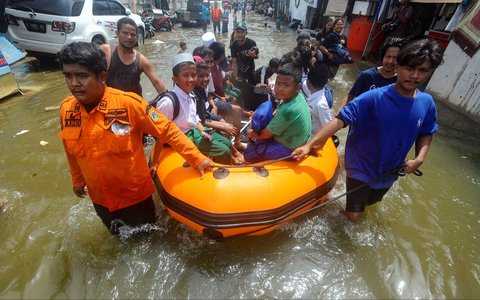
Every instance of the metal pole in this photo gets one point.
(372, 36)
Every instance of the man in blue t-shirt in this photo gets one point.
(377, 76)
(384, 125)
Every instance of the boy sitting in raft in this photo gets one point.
(203, 78)
(291, 124)
(317, 102)
(210, 143)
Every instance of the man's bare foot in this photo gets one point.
(237, 157)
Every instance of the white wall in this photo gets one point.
(456, 82)
(299, 13)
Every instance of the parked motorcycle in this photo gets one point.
(147, 19)
(163, 23)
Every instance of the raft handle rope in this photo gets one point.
(401, 171)
(222, 172)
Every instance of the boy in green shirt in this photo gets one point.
(290, 125)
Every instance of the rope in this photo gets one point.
(401, 171)
(252, 165)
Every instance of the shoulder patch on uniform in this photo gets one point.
(153, 114)
(102, 105)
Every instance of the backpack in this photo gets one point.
(340, 54)
(173, 97)
(262, 115)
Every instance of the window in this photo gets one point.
(50, 7)
(100, 8)
(116, 8)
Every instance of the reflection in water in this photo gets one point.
(421, 241)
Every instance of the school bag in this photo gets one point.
(340, 54)
(173, 97)
(262, 115)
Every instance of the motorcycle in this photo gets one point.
(163, 22)
(147, 19)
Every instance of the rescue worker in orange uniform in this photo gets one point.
(102, 132)
(216, 17)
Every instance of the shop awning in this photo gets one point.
(336, 8)
(436, 1)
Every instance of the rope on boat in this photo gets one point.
(252, 165)
(400, 171)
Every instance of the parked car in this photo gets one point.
(193, 15)
(43, 27)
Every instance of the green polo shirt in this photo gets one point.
(292, 123)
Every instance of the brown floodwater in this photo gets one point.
(421, 241)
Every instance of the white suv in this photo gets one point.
(43, 27)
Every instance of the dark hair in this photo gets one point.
(305, 57)
(304, 42)
(338, 20)
(182, 43)
(126, 20)
(176, 69)
(292, 57)
(318, 75)
(324, 28)
(290, 69)
(84, 54)
(418, 52)
(273, 63)
(202, 51)
(202, 65)
(218, 50)
(392, 43)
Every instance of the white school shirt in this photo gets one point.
(187, 115)
(319, 110)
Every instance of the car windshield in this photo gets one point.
(69, 8)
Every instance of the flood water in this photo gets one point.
(421, 241)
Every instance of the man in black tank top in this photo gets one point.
(125, 64)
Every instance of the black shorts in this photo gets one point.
(138, 214)
(358, 199)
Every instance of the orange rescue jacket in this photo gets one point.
(216, 14)
(105, 146)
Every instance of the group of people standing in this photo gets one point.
(104, 120)
(217, 15)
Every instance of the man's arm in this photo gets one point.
(234, 67)
(147, 68)
(106, 49)
(78, 181)
(319, 139)
(422, 145)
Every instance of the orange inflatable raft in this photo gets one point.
(244, 200)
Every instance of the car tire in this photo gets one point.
(98, 40)
(141, 37)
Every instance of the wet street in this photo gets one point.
(421, 241)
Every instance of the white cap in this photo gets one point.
(208, 38)
(182, 57)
